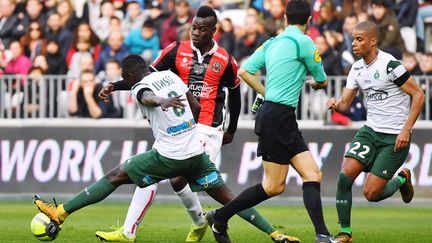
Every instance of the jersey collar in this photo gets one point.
(201, 56)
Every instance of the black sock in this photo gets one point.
(312, 202)
(247, 199)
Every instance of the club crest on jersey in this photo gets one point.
(216, 67)
(376, 75)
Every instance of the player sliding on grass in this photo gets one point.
(382, 145)
(177, 150)
(287, 58)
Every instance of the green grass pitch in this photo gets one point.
(169, 223)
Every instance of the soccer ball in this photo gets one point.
(43, 228)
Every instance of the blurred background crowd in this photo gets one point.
(87, 39)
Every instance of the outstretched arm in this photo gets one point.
(344, 101)
(111, 87)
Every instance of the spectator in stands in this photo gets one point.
(114, 50)
(85, 33)
(330, 58)
(33, 41)
(348, 56)
(426, 63)
(177, 26)
(409, 61)
(33, 12)
(158, 16)
(227, 37)
(67, 15)
(354, 6)
(275, 23)
(144, 41)
(83, 100)
(406, 12)
(362, 17)
(390, 38)
(424, 11)
(100, 25)
(56, 61)
(114, 24)
(91, 11)
(41, 62)
(50, 6)
(36, 93)
(20, 64)
(55, 30)
(134, 18)
(121, 99)
(86, 62)
(250, 40)
(8, 23)
(327, 18)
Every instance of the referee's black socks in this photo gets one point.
(312, 202)
(247, 199)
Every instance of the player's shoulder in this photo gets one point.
(386, 57)
(358, 65)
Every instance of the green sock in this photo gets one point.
(92, 194)
(344, 200)
(256, 219)
(401, 179)
(346, 230)
(389, 189)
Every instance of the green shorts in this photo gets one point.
(151, 167)
(376, 152)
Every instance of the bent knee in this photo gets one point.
(371, 195)
(312, 176)
(273, 189)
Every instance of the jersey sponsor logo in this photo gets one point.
(358, 68)
(220, 55)
(186, 54)
(208, 180)
(181, 128)
(317, 57)
(200, 89)
(216, 67)
(376, 95)
(162, 83)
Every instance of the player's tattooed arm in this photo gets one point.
(194, 105)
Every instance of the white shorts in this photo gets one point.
(211, 138)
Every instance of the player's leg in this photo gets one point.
(90, 195)
(380, 183)
(359, 157)
(141, 201)
(224, 195)
(307, 168)
(192, 206)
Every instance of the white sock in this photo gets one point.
(192, 205)
(141, 201)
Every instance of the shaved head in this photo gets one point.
(369, 27)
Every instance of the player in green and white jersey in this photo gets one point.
(394, 101)
(177, 150)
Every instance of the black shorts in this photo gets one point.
(279, 138)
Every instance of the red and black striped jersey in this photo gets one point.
(206, 75)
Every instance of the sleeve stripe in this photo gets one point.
(402, 79)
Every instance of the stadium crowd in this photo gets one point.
(87, 39)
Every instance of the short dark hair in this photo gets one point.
(298, 12)
(370, 27)
(134, 64)
(205, 12)
(384, 3)
(149, 24)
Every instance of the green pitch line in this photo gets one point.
(167, 223)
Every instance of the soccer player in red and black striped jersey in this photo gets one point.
(208, 70)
